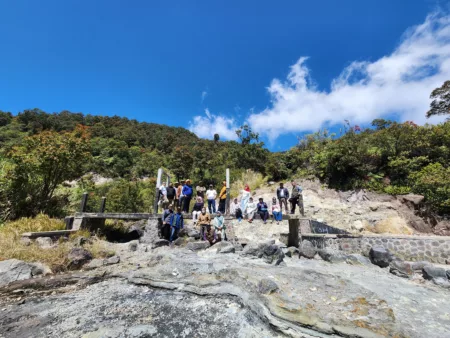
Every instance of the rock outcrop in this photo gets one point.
(13, 270)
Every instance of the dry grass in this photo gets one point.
(55, 257)
(254, 180)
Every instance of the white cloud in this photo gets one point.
(208, 113)
(207, 126)
(399, 83)
(204, 95)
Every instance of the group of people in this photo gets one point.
(181, 194)
(174, 222)
(179, 197)
(248, 208)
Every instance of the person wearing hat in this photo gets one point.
(211, 195)
(223, 197)
(219, 226)
(187, 196)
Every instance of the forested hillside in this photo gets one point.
(40, 151)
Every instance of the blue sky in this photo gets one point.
(285, 67)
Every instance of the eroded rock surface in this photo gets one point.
(169, 292)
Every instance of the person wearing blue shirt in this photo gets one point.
(187, 194)
(176, 224)
(263, 210)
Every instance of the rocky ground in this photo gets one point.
(261, 291)
(363, 211)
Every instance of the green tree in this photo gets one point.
(36, 168)
(441, 100)
(246, 135)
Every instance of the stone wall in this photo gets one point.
(434, 249)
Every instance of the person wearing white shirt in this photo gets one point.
(251, 209)
(211, 195)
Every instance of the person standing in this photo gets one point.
(170, 193)
(200, 189)
(180, 194)
(163, 201)
(166, 219)
(283, 195)
(187, 196)
(263, 210)
(251, 209)
(276, 211)
(176, 201)
(211, 195)
(176, 223)
(219, 226)
(204, 220)
(223, 197)
(297, 198)
(245, 197)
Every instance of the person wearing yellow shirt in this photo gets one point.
(223, 197)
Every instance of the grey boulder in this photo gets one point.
(44, 242)
(380, 256)
(13, 270)
(331, 256)
(194, 233)
(133, 245)
(307, 249)
(159, 243)
(196, 246)
(267, 286)
(401, 269)
(435, 274)
(78, 257)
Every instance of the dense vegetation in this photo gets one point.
(40, 151)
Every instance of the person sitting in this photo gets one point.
(176, 223)
(251, 209)
(219, 225)
(210, 235)
(276, 211)
(204, 220)
(235, 210)
(197, 209)
(166, 219)
(263, 210)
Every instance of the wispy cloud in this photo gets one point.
(208, 113)
(206, 127)
(399, 83)
(204, 95)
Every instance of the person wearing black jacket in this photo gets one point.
(171, 192)
(283, 196)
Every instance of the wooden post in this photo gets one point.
(227, 203)
(84, 200)
(102, 205)
(158, 184)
